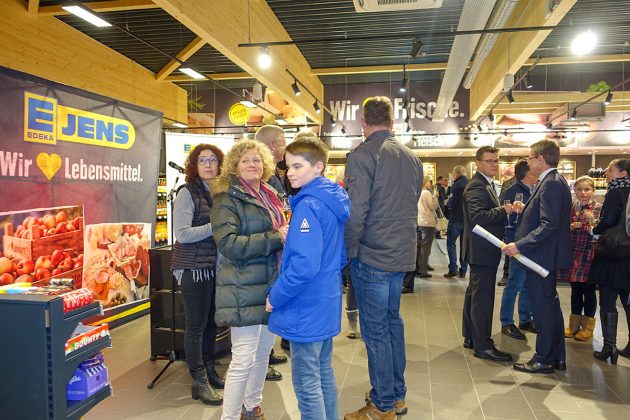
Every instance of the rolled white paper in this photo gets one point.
(520, 257)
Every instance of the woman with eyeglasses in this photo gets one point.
(194, 267)
(612, 275)
(249, 229)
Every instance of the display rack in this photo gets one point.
(34, 366)
(161, 224)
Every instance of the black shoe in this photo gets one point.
(406, 290)
(274, 359)
(528, 326)
(450, 274)
(462, 274)
(511, 331)
(502, 282)
(201, 389)
(424, 275)
(494, 355)
(215, 380)
(468, 343)
(284, 343)
(533, 367)
(560, 365)
(273, 375)
(429, 268)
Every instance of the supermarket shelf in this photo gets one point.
(76, 357)
(78, 408)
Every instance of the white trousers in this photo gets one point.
(245, 377)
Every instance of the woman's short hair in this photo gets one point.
(378, 110)
(190, 166)
(230, 164)
(585, 179)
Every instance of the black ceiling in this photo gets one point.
(306, 19)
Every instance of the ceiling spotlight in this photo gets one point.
(584, 43)
(505, 132)
(609, 98)
(528, 84)
(332, 121)
(343, 130)
(403, 85)
(192, 73)
(316, 107)
(510, 97)
(416, 47)
(479, 127)
(295, 88)
(491, 117)
(86, 15)
(549, 125)
(264, 59)
(574, 115)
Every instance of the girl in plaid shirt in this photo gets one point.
(583, 299)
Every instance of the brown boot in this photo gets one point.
(574, 325)
(586, 329)
(399, 405)
(370, 412)
(255, 414)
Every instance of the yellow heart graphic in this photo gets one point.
(49, 164)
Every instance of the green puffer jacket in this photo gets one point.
(248, 244)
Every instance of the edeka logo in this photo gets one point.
(47, 122)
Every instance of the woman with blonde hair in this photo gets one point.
(249, 229)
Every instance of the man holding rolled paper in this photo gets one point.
(543, 236)
(482, 207)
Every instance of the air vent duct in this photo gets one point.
(362, 6)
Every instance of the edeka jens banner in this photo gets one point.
(63, 146)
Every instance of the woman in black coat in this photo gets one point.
(612, 275)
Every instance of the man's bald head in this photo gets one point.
(273, 137)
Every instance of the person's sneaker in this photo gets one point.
(399, 405)
(450, 274)
(370, 412)
(273, 375)
(255, 414)
(502, 282)
(275, 359)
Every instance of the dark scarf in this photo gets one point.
(622, 182)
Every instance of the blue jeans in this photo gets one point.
(383, 331)
(314, 379)
(453, 231)
(515, 284)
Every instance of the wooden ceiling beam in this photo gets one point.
(512, 50)
(33, 6)
(547, 102)
(188, 51)
(99, 6)
(225, 26)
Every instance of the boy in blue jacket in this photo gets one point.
(305, 300)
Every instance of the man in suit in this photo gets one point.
(481, 207)
(543, 236)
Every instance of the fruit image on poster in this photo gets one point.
(116, 263)
(40, 244)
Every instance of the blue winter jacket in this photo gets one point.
(306, 296)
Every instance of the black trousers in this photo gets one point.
(479, 306)
(199, 309)
(583, 299)
(545, 304)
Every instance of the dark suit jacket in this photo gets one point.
(481, 207)
(543, 233)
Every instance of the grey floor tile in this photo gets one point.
(506, 408)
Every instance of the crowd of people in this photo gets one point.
(246, 261)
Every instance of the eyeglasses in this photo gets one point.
(210, 160)
(490, 161)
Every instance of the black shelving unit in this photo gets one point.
(34, 366)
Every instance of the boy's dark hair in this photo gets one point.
(312, 151)
(521, 168)
(378, 110)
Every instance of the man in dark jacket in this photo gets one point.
(384, 181)
(506, 262)
(482, 207)
(543, 236)
(455, 227)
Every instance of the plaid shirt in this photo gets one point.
(582, 242)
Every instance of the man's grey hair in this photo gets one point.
(459, 170)
(269, 134)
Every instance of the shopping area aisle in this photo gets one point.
(444, 380)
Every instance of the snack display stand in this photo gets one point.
(35, 360)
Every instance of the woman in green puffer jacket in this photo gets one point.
(249, 228)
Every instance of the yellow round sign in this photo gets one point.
(238, 114)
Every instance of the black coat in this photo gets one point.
(481, 207)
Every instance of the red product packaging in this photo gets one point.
(76, 299)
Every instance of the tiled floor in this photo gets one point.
(444, 380)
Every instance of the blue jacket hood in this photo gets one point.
(330, 193)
